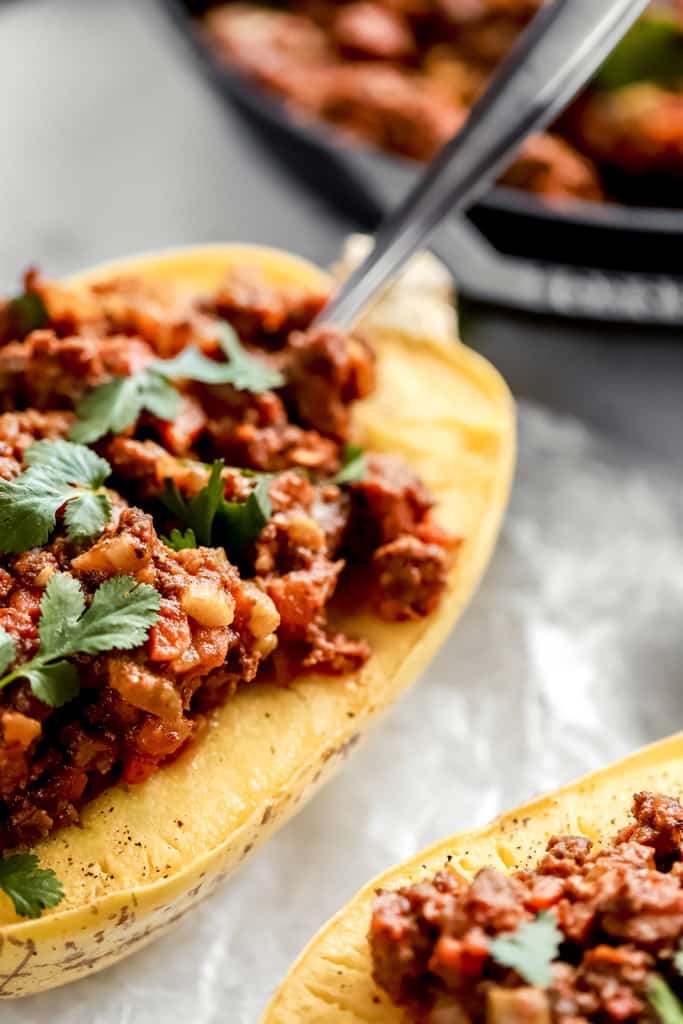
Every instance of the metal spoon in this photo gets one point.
(564, 45)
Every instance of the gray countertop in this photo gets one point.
(112, 145)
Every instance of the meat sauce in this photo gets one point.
(403, 74)
(219, 624)
(619, 909)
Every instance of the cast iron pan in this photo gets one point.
(591, 260)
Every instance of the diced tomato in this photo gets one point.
(27, 601)
(170, 636)
(18, 624)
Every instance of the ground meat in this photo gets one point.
(638, 128)
(551, 167)
(327, 370)
(46, 371)
(659, 823)
(217, 625)
(403, 74)
(620, 909)
(135, 709)
(410, 578)
(398, 111)
(388, 502)
(19, 430)
(255, 431)
(262, 313)
(372, 30)
(165, 316)
(145, 467)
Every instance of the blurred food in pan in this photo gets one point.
(403, 74)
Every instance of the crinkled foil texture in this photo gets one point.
(570, 655)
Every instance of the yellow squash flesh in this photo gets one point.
(144, 855)
(331, 981)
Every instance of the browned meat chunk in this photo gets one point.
(550, 166)
(262, 313)
(372, 30)
(328, 370)
(411, 577)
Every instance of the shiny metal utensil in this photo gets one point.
(564, 45)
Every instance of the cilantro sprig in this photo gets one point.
(530, 949)
(212, 520)
(241, 369)
(116, 405)
(179, 540)
(58, 473)
(27, 313)
(119, 617)
(31, 888)
(353, 467)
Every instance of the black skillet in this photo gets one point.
(599, 261)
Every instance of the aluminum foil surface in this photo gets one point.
(569, 656)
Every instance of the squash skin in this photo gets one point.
(144, 855)
(331, 981)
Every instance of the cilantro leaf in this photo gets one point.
(28, 509)
(178, 540)
(72, 463)
(61, 607)
(116, 405)
(87, 515)
(119, 617)
(28, 313)
(54, 684)
(238, 523)
(198, 512)
(192, 364)
(354, 465)
(8, 650)
(31, 888)
(248, 372)
(663, 1001)
(530, 949)
(58, 472)
(652, 51)
(215, 521)
(244, 371)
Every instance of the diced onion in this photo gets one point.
(208, 605)
(264, 618)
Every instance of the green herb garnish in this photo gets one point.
(178, 541)
(28, 313)
(663, 1001)
(117, 404)
(530, 949)
(118, 618)
(31, 888)
(58, 473)
(651, 52)
(114, 406)
(214, 521)
(243, 371)
(354, 466)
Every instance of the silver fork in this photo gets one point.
(564, 45)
